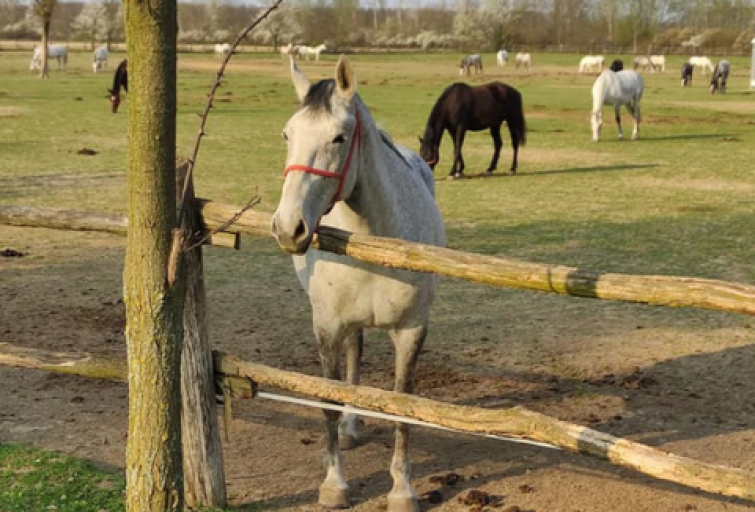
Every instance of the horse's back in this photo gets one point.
(617, 87)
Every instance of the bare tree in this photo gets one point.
(44, 9)
(281, 25)
(154, 303)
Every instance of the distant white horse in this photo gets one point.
(471, 61)
(642, 64)
(55, 51)
(288, 49)
(100, 59)
(591, 63)
(308, 51)
(701, 62)
(617, 89)
(524, 60)
(361, 182)
(222, 49)
(502, 57)
(658, 62)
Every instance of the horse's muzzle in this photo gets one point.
(293, 242)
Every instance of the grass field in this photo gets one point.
(676, 202)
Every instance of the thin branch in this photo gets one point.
(211, 98)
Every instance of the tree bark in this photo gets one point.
(153, 308)
(44, 71)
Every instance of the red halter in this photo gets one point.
(340, 176)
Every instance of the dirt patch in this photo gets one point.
(676, 380)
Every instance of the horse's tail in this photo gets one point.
(515, 115)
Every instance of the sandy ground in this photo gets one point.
(680, 381)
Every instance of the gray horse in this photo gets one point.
(719, 77)
(470, 61)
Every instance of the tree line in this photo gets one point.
(480, 25)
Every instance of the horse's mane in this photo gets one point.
(319, 95)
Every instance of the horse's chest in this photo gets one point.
(355, 294)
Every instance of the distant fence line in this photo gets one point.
(24, 45)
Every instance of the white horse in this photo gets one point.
(502, 57)
(643, 64)
(591, 63)
(100, 59)
(343, 172)
(308, 51)
(288, 49)
(702, 62)
(471, 61)
(617, 89)
(55, 51)
(658, 62)
(524, 60)
(222, 49)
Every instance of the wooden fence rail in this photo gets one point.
(514, 422)
(501, 272)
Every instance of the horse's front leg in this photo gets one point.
(617, 109)
(348, 429)
(457, 170)
(495, 132)
(334, 491)
(408, 344)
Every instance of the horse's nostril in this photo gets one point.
(300, 231)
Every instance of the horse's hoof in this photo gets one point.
(334, 498)
(403, 504)
(347, 442)
(512, 172)
(489, 171)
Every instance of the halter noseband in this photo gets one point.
(340, 176)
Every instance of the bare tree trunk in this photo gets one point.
(44, 71)
(153, 307)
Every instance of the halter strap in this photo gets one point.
(340, 176)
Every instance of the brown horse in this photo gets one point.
(462, 107)
(120, 79)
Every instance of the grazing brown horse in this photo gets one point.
(462, 107)
(119, 80)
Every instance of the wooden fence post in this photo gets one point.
(204, 476)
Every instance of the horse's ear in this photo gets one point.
(301, 84)
(346, 81)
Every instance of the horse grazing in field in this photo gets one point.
(471, 61)
(58, 52)
(120, 80)
(308, 51)
(617, 65)
(687, 70)
(658, 62)
(591, 63)
(222, 49)
(524, 60)
(462, 107)
(100, 58)
(701, 62)
(617, 89)
(719, 77)
(642, 64)
(502, 57)
(343, 172)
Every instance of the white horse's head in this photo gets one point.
(323, 141)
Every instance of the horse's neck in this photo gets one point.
(373, 202)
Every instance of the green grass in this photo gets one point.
(33, 480)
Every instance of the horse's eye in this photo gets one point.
(283, 134)
(339, 139)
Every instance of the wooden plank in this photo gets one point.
(502, 272)
(515, 422)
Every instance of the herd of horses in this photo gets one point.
(302, 51)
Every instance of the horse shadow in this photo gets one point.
(693, 136)
(568, 170)
(692, 411)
